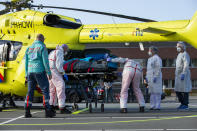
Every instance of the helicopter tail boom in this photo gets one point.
(133, 32)
(190, 33)
(179, 30)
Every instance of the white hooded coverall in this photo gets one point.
(57, 85)
(155, 88)
(182, 67)
(132, 73)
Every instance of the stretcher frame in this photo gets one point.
(89, 80)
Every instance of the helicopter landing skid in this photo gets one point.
(6, 101)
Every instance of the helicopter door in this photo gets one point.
(3, 57)
(8, 52)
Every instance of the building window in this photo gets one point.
(194, 83)
(165, 83)
(168, 83)
(193, 62)
(168, 62)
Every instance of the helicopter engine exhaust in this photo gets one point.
(58, 22)
(50, 19)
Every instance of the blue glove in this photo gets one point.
(108, 59)
(66, 77)
(182, 76)
(155, 79)
(106, 56)
(146, 79)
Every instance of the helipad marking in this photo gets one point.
(78, 118)
(112, 122)
(77, 112)
(181, 129)
(8, 110)
(189, 104)
(3, 123)
(193, 105)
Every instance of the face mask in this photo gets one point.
(178, 49)
(150, 53)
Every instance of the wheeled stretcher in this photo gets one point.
(86, 83)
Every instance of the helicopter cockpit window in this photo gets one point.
(9, 50)
(56, 21)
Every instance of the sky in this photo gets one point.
(159, 10)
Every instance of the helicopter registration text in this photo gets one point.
(22, 24)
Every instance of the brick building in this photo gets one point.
(167, 52)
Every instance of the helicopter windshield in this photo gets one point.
(9, 50)
(56, 21)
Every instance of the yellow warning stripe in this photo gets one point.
(8, 110)
(77, 112)
(112, 122)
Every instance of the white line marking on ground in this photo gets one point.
(193, 105)
(22, 130)
(132, 130)
(149, 130)
(55, 118)
(82, 118)
(116, 130)
(32, 118)
(136, 130)
(90, 118)
(73, 130)
(181, 129)
(189, 104)
(16, 118)
(136, 117)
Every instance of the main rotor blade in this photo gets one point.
(4, 11)
(3, 3)
(98, 12)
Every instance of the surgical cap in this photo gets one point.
(182, 44)
(154, 49)
(64, 46)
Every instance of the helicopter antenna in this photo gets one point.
(113, 20)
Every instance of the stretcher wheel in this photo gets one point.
(75, 107)
(102, 107)
(90, 108)
(4, 104)
(96, 104)
(86, 104)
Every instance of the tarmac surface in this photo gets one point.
(168, 118)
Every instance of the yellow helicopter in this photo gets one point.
(19, 28)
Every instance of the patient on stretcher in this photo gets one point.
(89, 64)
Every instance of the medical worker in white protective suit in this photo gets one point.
(132, 73)
(182, 76)
(57, 84)
(154, 78)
